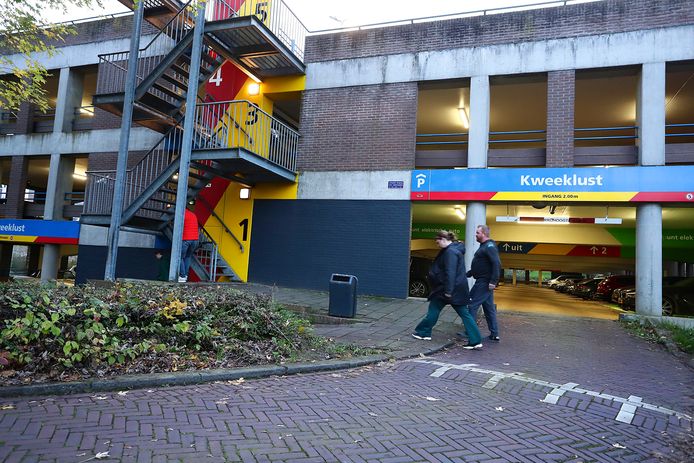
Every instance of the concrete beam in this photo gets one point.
(89, 141)
(595, 51)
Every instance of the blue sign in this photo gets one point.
(39, 231)
(622, 184)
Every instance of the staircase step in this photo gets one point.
(154, 209)
(164, 201)
(168, 91)
(159, 104)
(173, 80)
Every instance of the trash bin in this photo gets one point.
(343, 296)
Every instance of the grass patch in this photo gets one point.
(682, 337)
(64, 333)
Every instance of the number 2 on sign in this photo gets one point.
(216, 78)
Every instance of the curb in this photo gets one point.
(186, 378)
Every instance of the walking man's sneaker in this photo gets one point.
(494, 338)
(473, 346)
(182, 279)
(422, 338)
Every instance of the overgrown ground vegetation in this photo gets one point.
(51, 333)
(660, 334)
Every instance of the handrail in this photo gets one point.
(245, 125)
(484, 12)
(207, 205)
(607, 129)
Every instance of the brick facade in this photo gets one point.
(561, 96)
(609, 16)
(359, 128)
(14, 206)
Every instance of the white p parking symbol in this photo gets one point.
(421, 179)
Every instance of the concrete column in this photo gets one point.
(682, 269)
(650, 118)
(478, 135)
(671, 268)
(650, 115)
(61, 168)
(527, 277)
(476, 214)
(514, 279)
(539, 278)
(59, 182)
(70, 88)
(478, 144)
(649, 259)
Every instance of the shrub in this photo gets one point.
(55, 330)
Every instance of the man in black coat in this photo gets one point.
(485, 268)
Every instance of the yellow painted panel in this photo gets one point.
(284, 84)
(552, 249)
(275, 191)
(238, 217)
(552, 233)
(559, 196)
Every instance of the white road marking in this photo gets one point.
(626, 412)
(553, 396)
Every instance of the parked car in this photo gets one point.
(554, 281)
(571, 287)
(619, 293)
(609, 284)
(626, 297)
(564, 285)
(587, 289)
(419, 269)
(678, 298)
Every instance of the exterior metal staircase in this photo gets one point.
(232, 139)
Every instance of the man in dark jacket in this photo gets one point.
(485, 268)
(448, 286)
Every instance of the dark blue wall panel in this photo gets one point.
(137, 263)
(301, 243)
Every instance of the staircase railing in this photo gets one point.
(218, 126)
(242, 124)
(100, 184)
(275, 14)
(207, 254)
(113, 67)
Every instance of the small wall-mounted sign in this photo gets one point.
(396, 184)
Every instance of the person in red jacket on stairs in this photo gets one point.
(189, 243)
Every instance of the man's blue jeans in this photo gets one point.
(187, 250)
(481, 294)
(435, 306)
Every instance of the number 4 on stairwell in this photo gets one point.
(216, 77)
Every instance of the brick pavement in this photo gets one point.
(455, 405)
